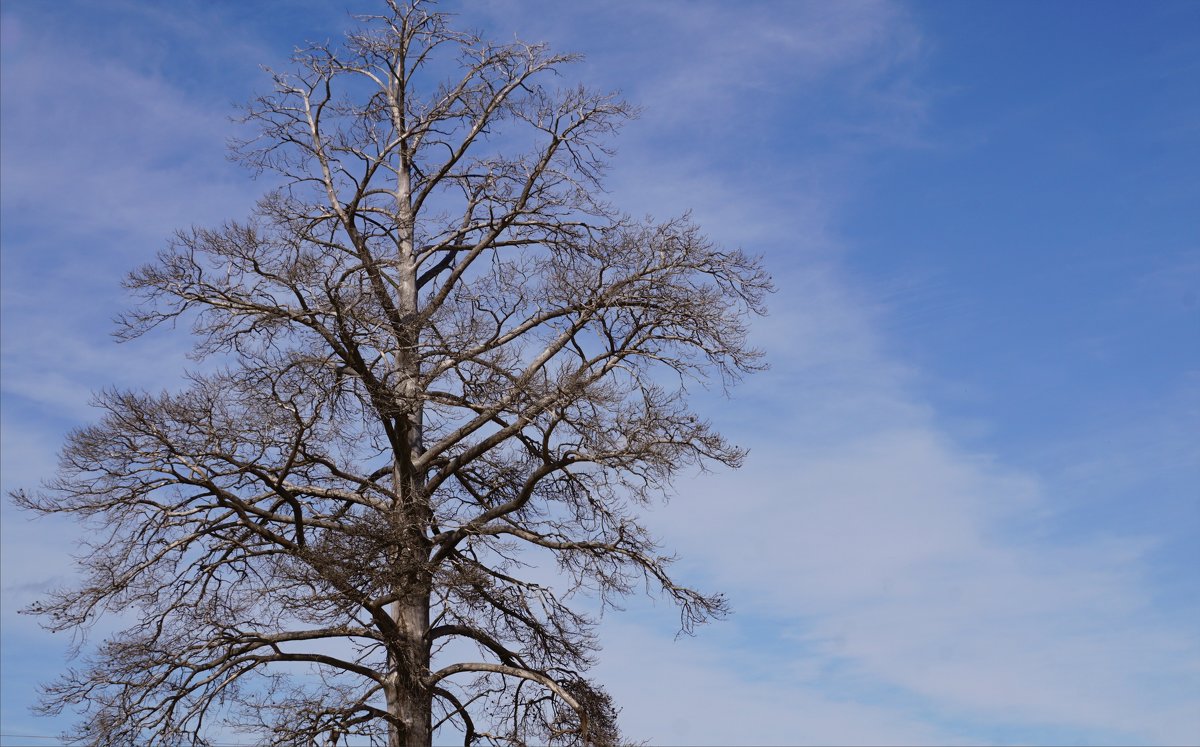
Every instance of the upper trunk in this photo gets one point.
(408, 699)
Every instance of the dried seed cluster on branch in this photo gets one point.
(442, 349)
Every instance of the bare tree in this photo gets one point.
(445, 359)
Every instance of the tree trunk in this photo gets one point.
(408, 701)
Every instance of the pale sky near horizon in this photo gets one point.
(971, 514)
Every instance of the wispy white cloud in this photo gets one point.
(121, 151)
(102, 161)
(692, 692)
(904, 568)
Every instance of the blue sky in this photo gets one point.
(972, 508)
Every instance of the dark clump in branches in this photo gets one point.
(444, 357)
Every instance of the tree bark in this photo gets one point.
(409, 702)
(408, 699)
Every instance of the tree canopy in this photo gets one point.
(446, 362)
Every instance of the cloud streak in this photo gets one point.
(902, 573)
